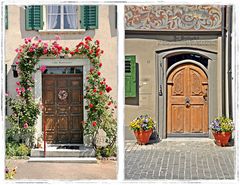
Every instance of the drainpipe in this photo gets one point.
(223, 60)
(229, 69)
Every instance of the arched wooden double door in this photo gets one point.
(187, 101)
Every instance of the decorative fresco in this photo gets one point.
(173, 18)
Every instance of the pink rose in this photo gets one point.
(42, 68)
(25, 125)
(18, 83)
(45, 51)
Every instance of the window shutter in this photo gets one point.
(89, 17)
(130, 76)
(34, 17)
(6, 17)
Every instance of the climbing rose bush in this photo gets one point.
(100, 105)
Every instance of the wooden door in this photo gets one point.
(63, 108)
(187, 101)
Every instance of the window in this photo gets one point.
(130, 76)
(61, 17)
(64, 70)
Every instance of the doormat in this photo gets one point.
(68, 147)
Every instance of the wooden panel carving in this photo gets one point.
(196, 87)
(178, 83)
(173, 17)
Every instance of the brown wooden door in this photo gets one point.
(63, 108)
(187, 101)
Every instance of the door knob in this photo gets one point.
(187, 101)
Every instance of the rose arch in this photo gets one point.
(25, 110)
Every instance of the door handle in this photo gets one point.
(187, 101)
(205, 97)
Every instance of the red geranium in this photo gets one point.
(99, 73)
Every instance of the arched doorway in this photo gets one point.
(187, 100)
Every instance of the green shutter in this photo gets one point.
(89, 17)
(34, 17)
(6, 17)
(130, 76)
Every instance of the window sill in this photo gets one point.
(63, 31)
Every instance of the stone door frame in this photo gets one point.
(58, 62)
(161, 82)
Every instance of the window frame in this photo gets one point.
(45, 19)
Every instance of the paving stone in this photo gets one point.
(184, 160)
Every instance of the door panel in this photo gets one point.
(63, 108)
(187, 104)
(177, 118)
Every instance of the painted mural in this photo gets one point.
(173, 18)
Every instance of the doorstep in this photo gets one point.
(64, 150)
(63, 159)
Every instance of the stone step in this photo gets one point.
(68, 150)
(63, 159)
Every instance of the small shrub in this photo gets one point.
(15, 149)
(107, 151)
(11, 149)
(23, 150)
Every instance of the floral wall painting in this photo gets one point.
(25, 110)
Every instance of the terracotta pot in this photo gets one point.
(143, 136)
(222, 138)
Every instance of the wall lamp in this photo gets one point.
(14, 69)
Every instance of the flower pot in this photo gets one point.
(143, 136)
(222, 138)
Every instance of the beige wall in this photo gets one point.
(106, 33)
(144, 49)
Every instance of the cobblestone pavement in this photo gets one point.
(194, 159)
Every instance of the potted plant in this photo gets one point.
(40, 141)
(222, 128)
(143, 128)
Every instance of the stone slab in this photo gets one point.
(63, 159)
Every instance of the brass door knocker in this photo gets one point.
(187, 102)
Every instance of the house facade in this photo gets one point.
(61, 87)
(178, 61)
